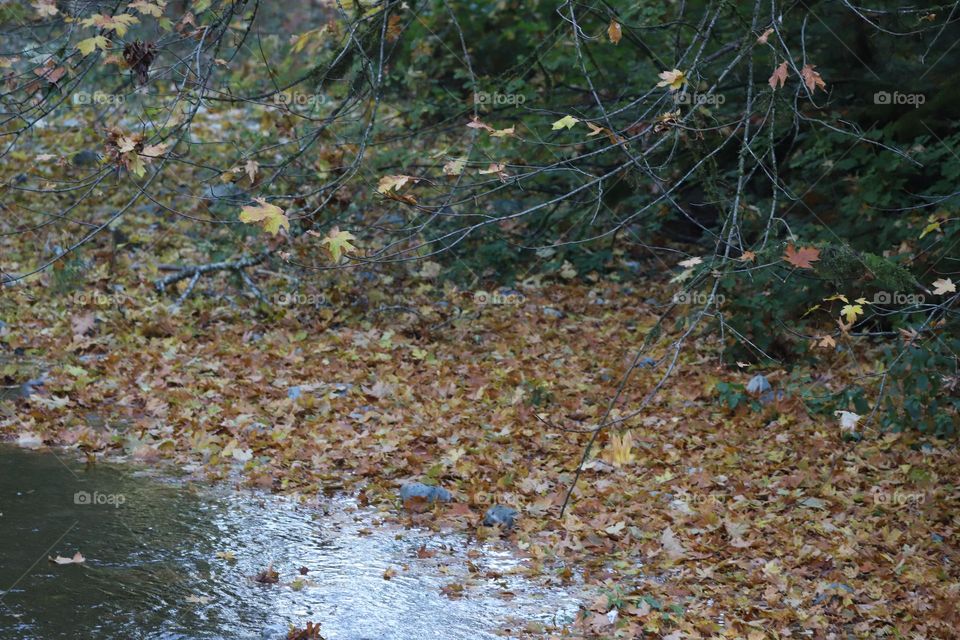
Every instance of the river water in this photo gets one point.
(168, 558)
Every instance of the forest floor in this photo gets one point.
(690, 520)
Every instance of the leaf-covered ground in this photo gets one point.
(693, 521)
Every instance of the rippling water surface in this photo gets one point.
(152, 569)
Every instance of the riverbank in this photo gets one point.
(697, 520)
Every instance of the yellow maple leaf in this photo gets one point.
(393, 183)
(269, 215)
(88, 46)
(149, 8)
(566, 122)
(338, 243)
(673, 79)
(851, 312)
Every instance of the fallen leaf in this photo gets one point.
(268, 576)
(671, 545)
(76, 559)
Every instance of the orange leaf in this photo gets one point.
(812, 79)
(614, 32)
(802, 258)
(779, 75)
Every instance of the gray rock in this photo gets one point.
(413, 490)
(758, 384)
(772, 396)
(500, 515)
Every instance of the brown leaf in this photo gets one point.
(268, 576)
(614, 32)
(423, 552)
(812, 79)
(802, 258)
(82, 324)
(779, 76)
(671, 545)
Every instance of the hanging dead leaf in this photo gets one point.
(812, 79)
(779, 76)
(614, 32)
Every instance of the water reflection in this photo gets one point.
(153, 571)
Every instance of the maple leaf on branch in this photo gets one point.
(338, 243)
(779, 76)
(812, 79)
(802, 258)
(674, 79)
(614, 32)
(269, 215)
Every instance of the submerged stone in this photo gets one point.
(500, 515)
(415, 490)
